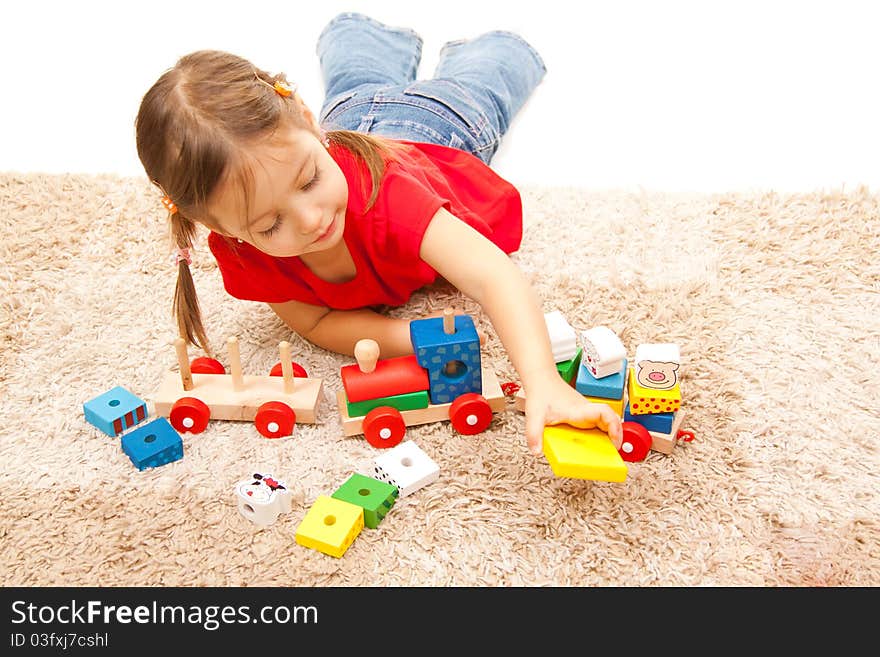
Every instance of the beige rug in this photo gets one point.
(773, 300)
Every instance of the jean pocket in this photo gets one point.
(334, 104)
(457, 102)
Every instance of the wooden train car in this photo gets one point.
(202, 391)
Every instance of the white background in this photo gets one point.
(670, 96)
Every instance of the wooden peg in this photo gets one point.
(286, 366)
(186, 378)
(449, 321)
(366, 352)
(235, 363)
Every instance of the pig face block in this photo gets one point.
(262, 498)
(657, 375)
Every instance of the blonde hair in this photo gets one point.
(190, 129)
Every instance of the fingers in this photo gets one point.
(609, 422)
(602, 417)
(535, 433)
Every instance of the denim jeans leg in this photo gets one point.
(356, 50)
(499, 69)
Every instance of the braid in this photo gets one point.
(186, 303)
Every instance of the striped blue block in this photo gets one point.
(115, 411)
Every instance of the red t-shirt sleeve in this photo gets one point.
(400, 217)
(414, 189)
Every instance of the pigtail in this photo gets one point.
(190, 129)
(186, 306)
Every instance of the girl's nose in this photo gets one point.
(310, 220)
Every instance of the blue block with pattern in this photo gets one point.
(452, 360)
(115, 411)
(153, 444)
(656, 422)
(608, 387)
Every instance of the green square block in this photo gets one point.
(568, 368)
(376, 497)
(405, 402)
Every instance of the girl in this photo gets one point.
(324, 225)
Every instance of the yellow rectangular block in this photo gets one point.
(615, 404)
(644, 400)
(330, 525)
(582, 454)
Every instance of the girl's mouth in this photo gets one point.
(327, 232)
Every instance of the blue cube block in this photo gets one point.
(608, 387)
(153, 444)
(657, 422)
(115, 411)
(452, 360)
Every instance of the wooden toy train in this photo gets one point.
(442, 380)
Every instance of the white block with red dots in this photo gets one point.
(563, 337)
(603, 352)
(407, 467)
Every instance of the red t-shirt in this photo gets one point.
(384, 241)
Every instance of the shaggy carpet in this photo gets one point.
(772, 298)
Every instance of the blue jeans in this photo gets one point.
(369, 72)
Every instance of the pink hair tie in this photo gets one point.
(180, 255)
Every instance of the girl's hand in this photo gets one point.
(556, 402)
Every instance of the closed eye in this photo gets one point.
(313, 181)
(273, 228)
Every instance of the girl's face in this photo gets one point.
(296, 200)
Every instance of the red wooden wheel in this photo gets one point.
(204, 365)
(275, 419)
(298, 370)
(470, 413)
(636, 442)
(189, 414)
(384, 427)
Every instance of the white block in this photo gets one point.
(563, 337)
(407, 467)
(603, 351)
(662, 352)
(261, 498)
(608, 369)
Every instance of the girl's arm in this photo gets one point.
(486, 274)
(339, 330)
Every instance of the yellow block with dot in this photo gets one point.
(330, 526)
(644, 400)
(582, 454)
